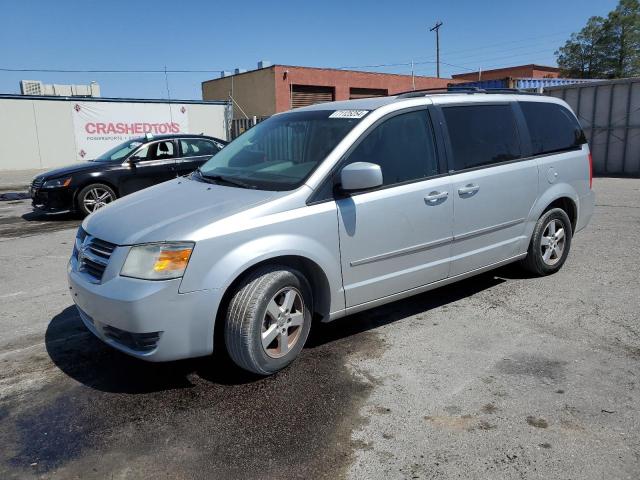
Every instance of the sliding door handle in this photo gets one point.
(469, 189)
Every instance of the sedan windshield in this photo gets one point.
(119, 152)
(281, 152)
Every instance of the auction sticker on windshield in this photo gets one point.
(349, 114)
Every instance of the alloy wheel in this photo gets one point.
(283, 322)
(553, 242)
(97, 198)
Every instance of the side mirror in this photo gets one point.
(360, 176)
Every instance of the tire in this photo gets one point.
(93, 197)
(547, 250)
(272, 300)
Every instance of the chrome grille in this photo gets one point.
(92, 254)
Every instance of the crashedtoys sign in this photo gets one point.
(100, 126)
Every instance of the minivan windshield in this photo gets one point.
(118, 152)
(282, 151)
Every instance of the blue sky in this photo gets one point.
(211, 35)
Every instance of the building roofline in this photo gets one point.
(280, 65)
(360, 71)
(15, 96)
(533, 66)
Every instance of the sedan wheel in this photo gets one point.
(94, 197)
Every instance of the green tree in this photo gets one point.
(605, 47)
(622, 31)
(584, 55)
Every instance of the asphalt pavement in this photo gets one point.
(17, 180)
(500, 376)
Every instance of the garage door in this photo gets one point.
(304, 95)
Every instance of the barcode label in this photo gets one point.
(349, 114)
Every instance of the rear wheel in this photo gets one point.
(268, 319)
(93, 197)
(550, 243)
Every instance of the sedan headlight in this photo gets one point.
(157, 261)
(57, 182)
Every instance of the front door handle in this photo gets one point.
(468, 189)
(433, 197)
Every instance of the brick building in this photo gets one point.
(277, 88)
(520, 71)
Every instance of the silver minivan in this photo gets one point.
(324, 211)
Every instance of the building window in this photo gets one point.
(355, 93)
(305, 95)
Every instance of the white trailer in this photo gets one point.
(45, 132)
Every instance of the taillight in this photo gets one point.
(590, 170)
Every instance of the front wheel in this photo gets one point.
(268, 319)
(93, 197)
(550, 243)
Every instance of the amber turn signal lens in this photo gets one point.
(171, 260)
(157, 261)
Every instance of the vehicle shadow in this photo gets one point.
(86, 359)
(81, 356)
(39, 216)
(401, 309)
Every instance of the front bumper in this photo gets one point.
(146, 319)
(52, 199)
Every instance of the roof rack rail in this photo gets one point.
(461, 89)
(426, 91)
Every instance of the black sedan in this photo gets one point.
(131, 166)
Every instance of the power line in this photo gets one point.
(522, 49)
(510, 56)
(58, 70)
(431, 60)
(404, 64)
(499, 44)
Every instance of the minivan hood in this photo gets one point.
(173, 210)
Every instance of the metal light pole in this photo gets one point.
(436, 28)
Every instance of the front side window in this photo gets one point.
(482, 135)
(156, 151)
(403, 146)
(282, 151)
(552, 127)
(197, 147)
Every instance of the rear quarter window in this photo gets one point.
(552, 127)
(482, 135)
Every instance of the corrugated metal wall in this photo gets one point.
(609, 112)
(522, 83)
(537, 83)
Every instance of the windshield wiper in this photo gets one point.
(227, 180)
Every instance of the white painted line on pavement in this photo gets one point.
(15, 294)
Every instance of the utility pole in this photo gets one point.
(413, 78)
(436, 28)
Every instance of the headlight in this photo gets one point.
(58, 182)
(157, 261)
